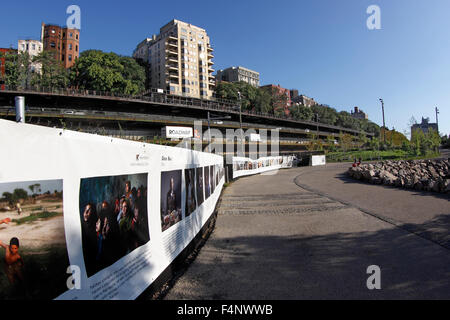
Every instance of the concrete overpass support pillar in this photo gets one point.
(20, 109)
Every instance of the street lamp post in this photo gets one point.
(384, 125)
(437, 122)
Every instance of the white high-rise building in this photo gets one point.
(179, 60)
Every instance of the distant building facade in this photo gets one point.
(359, 114)
(277, 90)
(63, 42)
(237, 74)
(294, 94)
(179, 60)
(33, 48)
(425, 126)
(304, 100)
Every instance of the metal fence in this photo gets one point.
(161, 97)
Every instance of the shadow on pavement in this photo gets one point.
(332, 266)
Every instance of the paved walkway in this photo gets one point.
(310, 233)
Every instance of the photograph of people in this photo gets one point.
(207, 183)
(33, 249)
(211, 177)
(199, 186)
(170, 198)
(114, 220)
(191, 201)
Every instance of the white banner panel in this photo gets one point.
(246, 166)
(318, 160)
(94, 217)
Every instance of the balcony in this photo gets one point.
(172, 74)
(172, 67)
(209, 49)
(173, 46)
(210, 63)
(171, 60)
(210, 55)
(172, 53)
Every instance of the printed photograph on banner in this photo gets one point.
(170, 198)
(217, 172)
(33, 251)
(191, 201)
(211, 177)
(199, 186)
(114, 218)
(207, 183)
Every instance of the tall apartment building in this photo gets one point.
(179, 60)
(33, 48)
(236, 74)
(64, 42)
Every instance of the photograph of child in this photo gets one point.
(170, 198)
(114, 218)
(33, 247)
(191, 201)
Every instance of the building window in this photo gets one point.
(71, 35)
(70, 57)
(76, 48)
(64, 34)
(52, 44)
(70, 46)
(76, 36)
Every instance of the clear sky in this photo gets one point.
(323, 48)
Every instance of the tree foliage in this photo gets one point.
(100, 71)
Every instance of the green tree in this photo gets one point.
(18, 70)
(53, 74)
(100, 71)
(301, 112)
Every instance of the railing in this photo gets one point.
(161, 96)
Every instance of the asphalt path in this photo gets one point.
(311, 233)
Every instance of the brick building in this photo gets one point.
(278, 92)
(64, 42)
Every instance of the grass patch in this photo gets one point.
(37, 209)
(36, 216)
(370, 155)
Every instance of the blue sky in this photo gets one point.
(323, 48)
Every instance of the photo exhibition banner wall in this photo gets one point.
(246, 166)
(94, 217)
